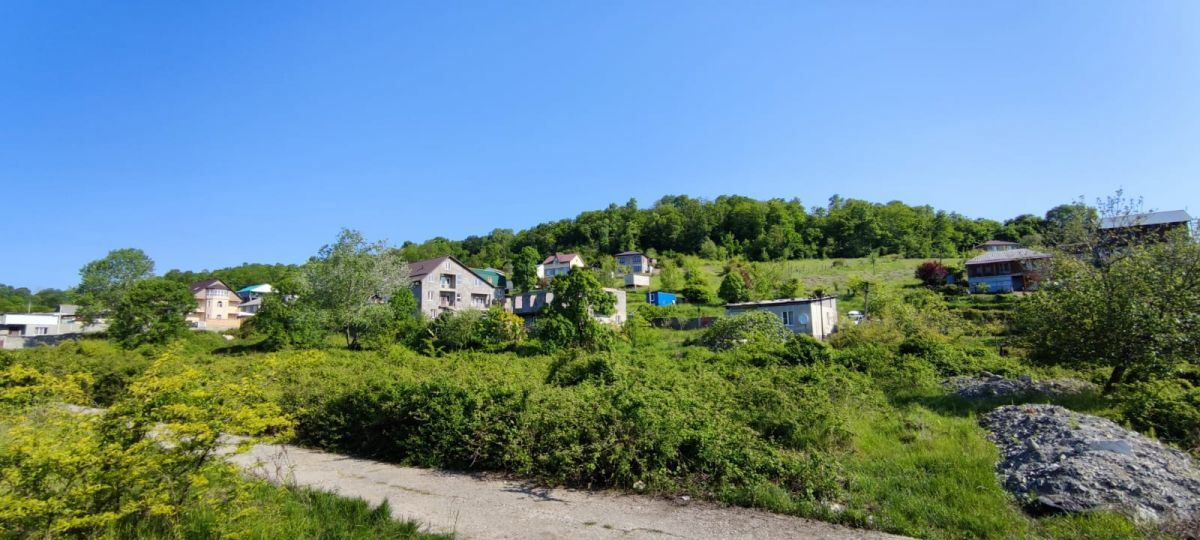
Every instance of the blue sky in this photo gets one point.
(211, 134)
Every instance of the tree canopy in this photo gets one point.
(104, 282)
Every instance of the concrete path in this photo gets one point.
(474, 507)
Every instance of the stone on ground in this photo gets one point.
(1059, 460)
(989, 385)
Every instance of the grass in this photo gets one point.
(265, 511)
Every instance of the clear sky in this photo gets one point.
(215, 133)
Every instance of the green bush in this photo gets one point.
(755, 327)
(803, 349)
(1169, 408)
(458, 330)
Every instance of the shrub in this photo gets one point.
(499, 327)
(1170, 408)
(803, 349)
(932, 273)
(733, 288)
(755, 327)
(458, 330)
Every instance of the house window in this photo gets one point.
(479, 300)
(220, 303)
(41, 330)
(787, 318)
(448, 281)
(218, 315)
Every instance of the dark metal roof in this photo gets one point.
(419, 269)
(1141, 220)
(780, 302)
(1021, 254)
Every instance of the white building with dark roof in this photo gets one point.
(817, 317)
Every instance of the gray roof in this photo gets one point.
(779, 302)
(419, 269)
(1139, 220)
(998, 243)
(1019, 254)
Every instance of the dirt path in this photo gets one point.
(473, 507)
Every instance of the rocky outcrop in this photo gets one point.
(989, 385)
(1059, 460)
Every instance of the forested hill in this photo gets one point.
(774, 229)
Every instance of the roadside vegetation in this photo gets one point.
(860, 430)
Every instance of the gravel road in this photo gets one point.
(471, 506)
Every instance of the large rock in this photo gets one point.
(988, 385)
(1059, 460)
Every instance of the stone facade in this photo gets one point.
(445, 284)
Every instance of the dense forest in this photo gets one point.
(736, 226)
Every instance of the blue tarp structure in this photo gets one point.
(660, 298)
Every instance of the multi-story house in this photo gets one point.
(559, 264)
(635, 262)
(217, 306)
(446, 284)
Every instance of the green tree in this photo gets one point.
(733, 288)
(350, 276)
(525, 269)
(152, 311)
(578, 297)
(1137, 314)
(104, 282)
(695, 289)
(669, 277)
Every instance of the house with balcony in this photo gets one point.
(217, 306)
(559, 264)
(446, 284)
(1008, 270)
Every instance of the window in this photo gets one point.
(218, 316)
(41, 331)
(479, 300)
(448, 281)
(220, 303)
(787, 318)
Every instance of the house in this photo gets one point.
(559, 264)
(497, 278)
(18, 330)
(446, 284)
(252, 298)
(1156, 224)
(997, 245)
(1006, 270)
(251, 292)
(217, 306)
(816, 317)
(635, 262)
(529, 304)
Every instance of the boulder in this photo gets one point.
(989, 385)
(1058, 460)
